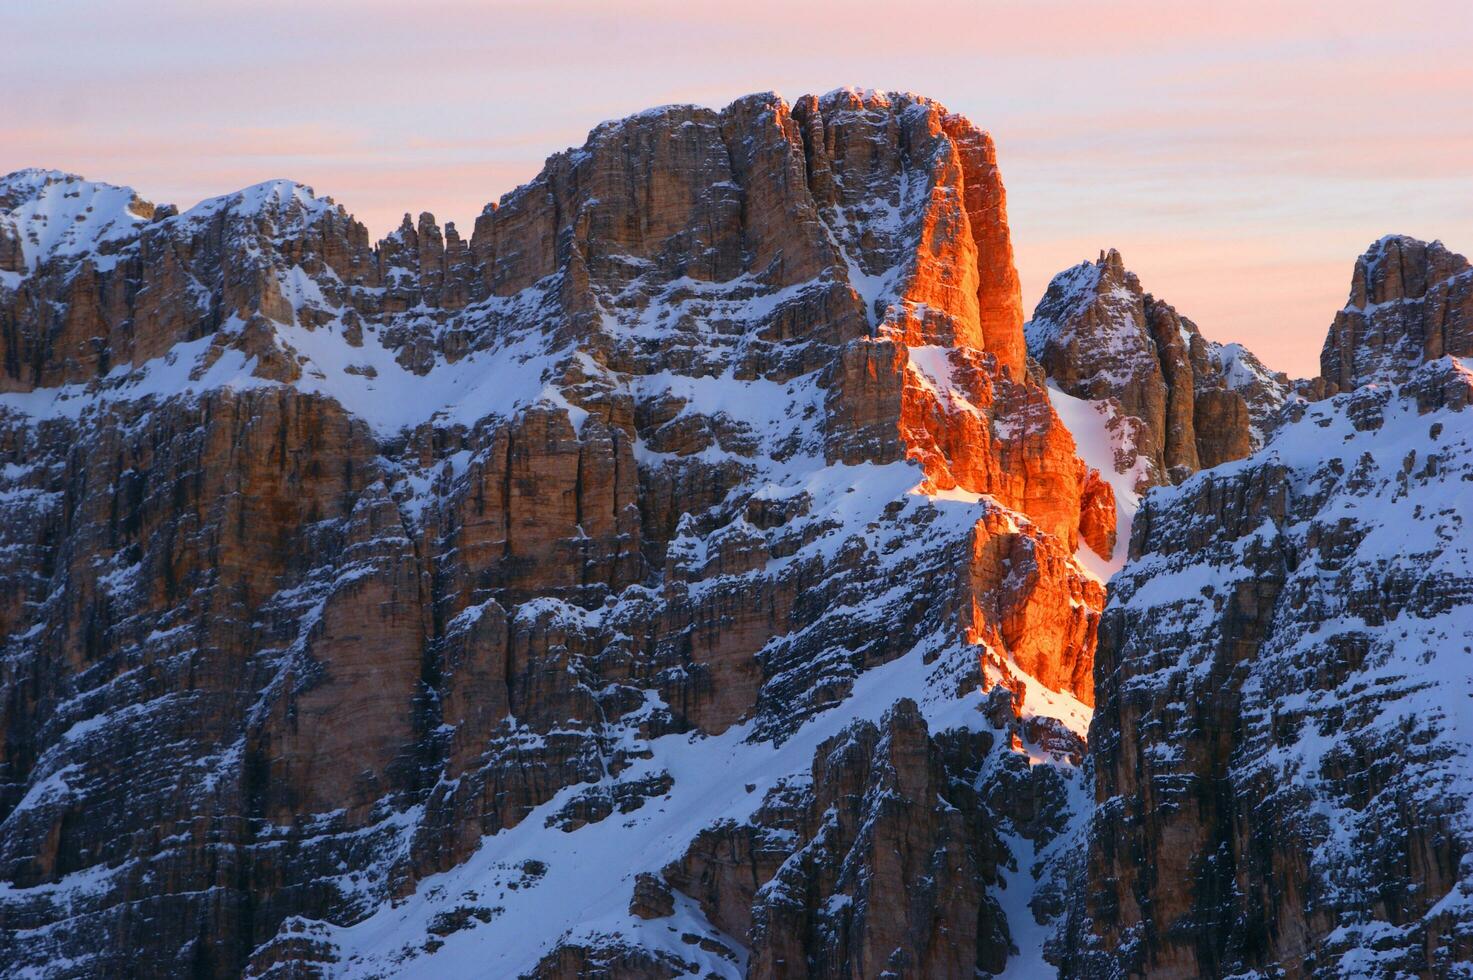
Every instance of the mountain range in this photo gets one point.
(702, 569)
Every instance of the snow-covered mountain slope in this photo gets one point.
(46, 214)
(419, 607)
(1105, 438)
(1284, 684)
(689, 573)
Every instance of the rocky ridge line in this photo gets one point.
(354, 591)
(1282, 728)
(1178, 402)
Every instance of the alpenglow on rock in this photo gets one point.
(1181, 402)
(690, 573)
(422, 608)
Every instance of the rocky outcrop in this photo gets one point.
(1188, 403)
(1281, 729)
(689, 573)
(330, 566)
(1410, 302)
(807, 878)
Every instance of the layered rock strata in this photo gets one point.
(1281, 739)
(1182, 403)
(1410, 302)
(339, 575)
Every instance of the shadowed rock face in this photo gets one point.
(1282, 725)
(323, 560)
(1189, 403)
(682, 575)
(886, 810)
(1410, 302)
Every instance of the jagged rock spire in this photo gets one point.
(1190, 403)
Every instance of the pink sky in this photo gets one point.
(1240, 155)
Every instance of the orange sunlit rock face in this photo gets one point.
(1030, 602)
(976, 431)
(944, 383)
(993, 437)
(459, 525)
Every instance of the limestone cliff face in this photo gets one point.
(330, 566)
(1280, 743)
(1410, 302)
(885, 810)
(1187, 403)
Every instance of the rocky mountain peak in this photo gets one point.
(46, 213)
(690, 573)
(1112, 265)
(1397, 267)
(577, 533)
(1410, 302)
(1282, 725)
(1176, 401)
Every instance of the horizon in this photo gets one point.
(1224, 165)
